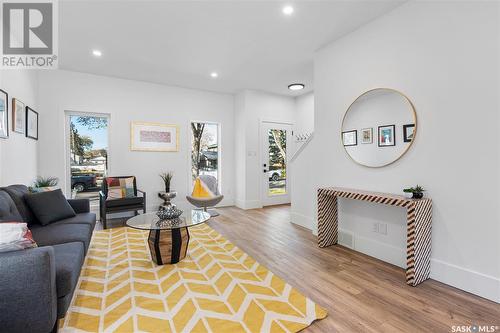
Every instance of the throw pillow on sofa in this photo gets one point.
(49, 206)
(15, 236)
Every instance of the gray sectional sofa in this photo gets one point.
(36, 285)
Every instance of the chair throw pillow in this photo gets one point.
(50, 206)
(201, 190)
(15, 236)
(119, 188)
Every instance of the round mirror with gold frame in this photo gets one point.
(379, 127)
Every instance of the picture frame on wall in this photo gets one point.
(408, 132)
(350, 138)
(154, 137)
(31, 123)
(4, 114)
(18, 116)
(367, 135)
(387, 136)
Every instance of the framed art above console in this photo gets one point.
(394, 119)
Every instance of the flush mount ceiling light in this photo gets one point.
(96, 53)
(287, 10)
(214, 75)
(296, 86)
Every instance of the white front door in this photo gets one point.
(276, 139)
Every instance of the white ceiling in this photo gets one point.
(250, 44)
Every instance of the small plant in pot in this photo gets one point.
(167, 178)
(43, 184)
(416, 192)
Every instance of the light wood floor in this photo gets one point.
(360, 293)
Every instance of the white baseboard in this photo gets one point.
(385, 252)
(462, 278)
(301, 220)
(248, 204)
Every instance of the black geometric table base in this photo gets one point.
(168, 246)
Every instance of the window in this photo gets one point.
(204, 149)
(88, 143)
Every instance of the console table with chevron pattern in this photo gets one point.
(418, 222)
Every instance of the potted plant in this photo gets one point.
(43, 184)
(168, 194)
(416, 192)
(167, 178)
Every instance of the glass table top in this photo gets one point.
(150, 221)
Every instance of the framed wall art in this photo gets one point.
(18, 116)
(31, 123)
(153, 137)
(408, 132)
(350, 138)
(4, 114)
(386, 136)
(367, 135)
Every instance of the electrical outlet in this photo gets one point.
(375, 227)
(382, 228)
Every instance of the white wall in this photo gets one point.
(445, 57)
(253, 107)
(128, 101)
(18, 154)
(240, 149)
(304, 113)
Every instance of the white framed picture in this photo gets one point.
(350, 138)
(31, 123)
(4, 114)
(367, 135)
(153, 137)
(18, 116)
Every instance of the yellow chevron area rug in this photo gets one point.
(217, 288)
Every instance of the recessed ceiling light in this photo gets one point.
(288, 10)
(296, 86)
(96, 53)
(214, 75)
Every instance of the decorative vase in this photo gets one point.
(409, 195)
(418, 195)
(167, 196)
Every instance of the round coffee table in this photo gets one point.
(168, 239)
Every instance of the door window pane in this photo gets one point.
(277, 161)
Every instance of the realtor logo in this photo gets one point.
(29, 34)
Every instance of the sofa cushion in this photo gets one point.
(17, 194)
(8, 209)
(124, 202)
(69, 260)
(53, 234)
(49, 206)
(83, 218)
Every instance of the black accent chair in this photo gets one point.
(110, 206)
